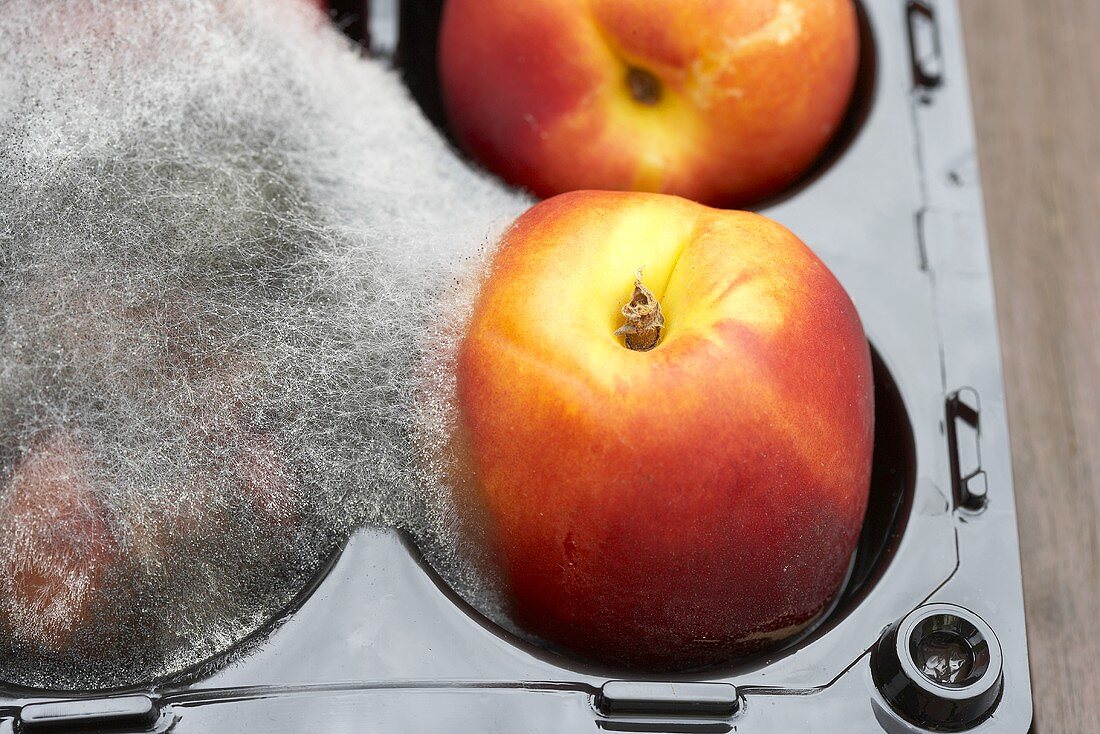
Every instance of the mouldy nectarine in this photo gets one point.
(59, 552)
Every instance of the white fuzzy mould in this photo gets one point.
(234, 262)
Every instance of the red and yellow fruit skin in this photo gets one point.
(60, 554)
(752, 91)
(674, 508)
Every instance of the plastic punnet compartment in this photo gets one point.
(380, 642)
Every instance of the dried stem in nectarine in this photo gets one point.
(644, 319)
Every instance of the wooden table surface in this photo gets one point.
(1035, 80)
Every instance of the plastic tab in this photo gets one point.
(926, 53)
(968, 481)
(120, 714)
(639, 698)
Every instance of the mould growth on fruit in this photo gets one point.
(644, 318)
(643, 86)
(214, 342)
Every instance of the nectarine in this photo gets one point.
(58, 552)
(721, 101)
(671, 467)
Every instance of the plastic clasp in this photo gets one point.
(940, 667)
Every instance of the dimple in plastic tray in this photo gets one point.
(928, 632)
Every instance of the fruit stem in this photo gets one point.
(643, 86)
(644, 319)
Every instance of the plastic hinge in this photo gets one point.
(118, 714)
(642, 698)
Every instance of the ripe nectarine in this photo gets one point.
(671, 468)
(724, 102)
